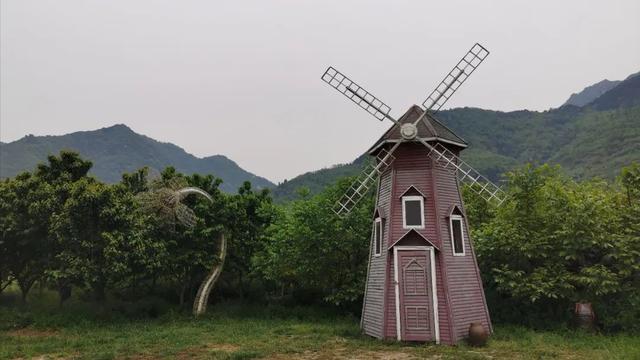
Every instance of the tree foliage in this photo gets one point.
(555, 242)
(312, 249)
(552, 243)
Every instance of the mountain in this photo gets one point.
(317, 180)
(595, 139)
(591, 93)
(626, 94)
(119, 149)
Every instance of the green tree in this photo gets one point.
(57, 176)
(623, 309)
(6, 220)
(310, 248)
(26, 202)
(249, 212)
(555, 242)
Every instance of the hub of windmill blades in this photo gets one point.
(408, 131)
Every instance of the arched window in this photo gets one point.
(456, 227)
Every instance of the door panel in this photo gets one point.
(416, 312)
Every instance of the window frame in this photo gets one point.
(404, 211)
(453, 245)
(377, 221)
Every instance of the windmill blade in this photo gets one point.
(463, 69)
(357, 94)
(465, 173)
(364, 181)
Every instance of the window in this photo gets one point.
(457, 235)
(413, 212)
(377, 237)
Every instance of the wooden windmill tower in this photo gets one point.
(423, 282)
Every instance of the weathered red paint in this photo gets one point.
(460, 297)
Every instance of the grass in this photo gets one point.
(232, 331)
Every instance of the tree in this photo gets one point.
(249, 212)
(25, 210)
(623, 310)
(58, 175)
(6, 223)
(555, 242)
(309, 248)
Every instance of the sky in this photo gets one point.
(242, 78)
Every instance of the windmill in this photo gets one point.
(423, 282)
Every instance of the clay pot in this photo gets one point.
(477, 335)
(584, 316)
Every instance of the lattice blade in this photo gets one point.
(356, 191)
(463, 69)
(364, 181)
(465, 173)
(357, 94)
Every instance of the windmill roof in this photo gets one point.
(429, 129)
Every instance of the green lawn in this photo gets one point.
(248, 332)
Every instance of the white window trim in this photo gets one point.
(375, 230)
(453, 246)
(404, 212)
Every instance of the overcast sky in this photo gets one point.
(242, 78)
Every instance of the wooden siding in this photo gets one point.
(373, 304)
(390, 306)
(467, 303)
(459, 288)
(412, 167)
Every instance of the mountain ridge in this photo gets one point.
(591, 92)
(596, 139)
(573, 136)
(116, 149)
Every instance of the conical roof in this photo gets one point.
(429, 129)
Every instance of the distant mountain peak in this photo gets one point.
(118, 128)
(591, 93)
(624, 95)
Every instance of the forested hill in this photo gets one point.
(593, 140)
(117, 149)
(591, 93)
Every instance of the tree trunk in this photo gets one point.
(183, 290)
(25, 285)
(64, 293)
(99, 292)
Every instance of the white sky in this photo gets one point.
(242, 78)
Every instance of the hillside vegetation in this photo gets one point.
(591, 141)
(118, 149)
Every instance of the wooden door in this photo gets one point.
(415, 295)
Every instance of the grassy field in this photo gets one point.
(246, 332)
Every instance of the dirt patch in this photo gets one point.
(33, 333)
(351, 355)
(222, 347)
(196, 352)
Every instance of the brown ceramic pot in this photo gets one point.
(477, 335)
